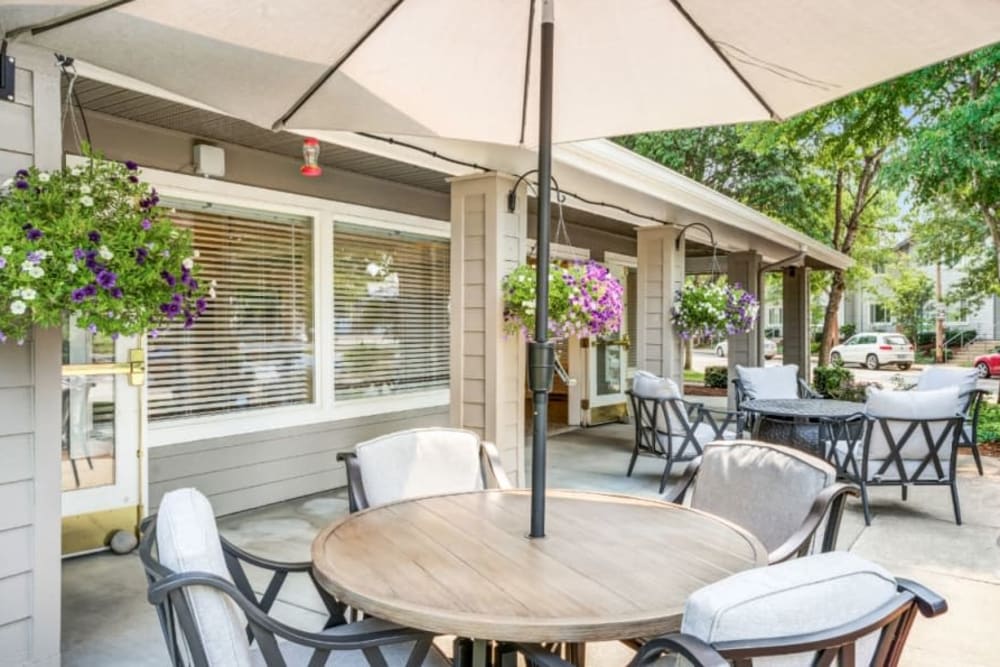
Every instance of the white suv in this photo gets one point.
(872, 350)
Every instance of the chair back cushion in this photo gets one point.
(896, 410)
(419, 462)
(769, 381)
(187, 541)
(940, 377)
(767, 489)
(795, 597)
(646, 385)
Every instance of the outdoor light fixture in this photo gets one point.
(310, 157)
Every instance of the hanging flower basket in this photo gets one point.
(91, 242)
(714, 309)
(584, 300)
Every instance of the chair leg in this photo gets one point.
(631, 464)
(666, 474)
(975, 455)
(954, 502)
(76, 473)
(864, 504)
(903, 488)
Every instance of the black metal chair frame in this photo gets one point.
(494, 476)
(849, 467)
(828, 503)
(892, 620)
(180, 630)
(650, 411)
(970, 438)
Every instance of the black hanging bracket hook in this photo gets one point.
(7, 73)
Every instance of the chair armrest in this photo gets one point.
(356, 498)
(733, 418)
(675, 492)
(930, 603)
(491, 459)
(832, 496)
(364, 634)
(805, 391)
(228, 548)
(697, 652)
(693, 408)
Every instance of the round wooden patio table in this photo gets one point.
(610, 567)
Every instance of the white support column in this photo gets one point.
(660, 275)
(795, 318)
(487, 367)
(743, 268)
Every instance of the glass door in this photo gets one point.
(102, 383)
(609, 359)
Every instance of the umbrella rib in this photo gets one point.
(330, 71)
(732, 68)
(527, 69)
(71, 17)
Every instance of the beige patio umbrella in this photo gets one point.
(492, 71)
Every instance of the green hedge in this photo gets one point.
(830, 380)
(717, 376)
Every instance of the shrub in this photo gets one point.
(848, 330)
(989, 422)
(717, 376)
(830, 380)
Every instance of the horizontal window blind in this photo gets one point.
(253, 348)
(390, 295)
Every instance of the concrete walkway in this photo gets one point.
(107, 621)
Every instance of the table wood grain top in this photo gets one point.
(610, 566)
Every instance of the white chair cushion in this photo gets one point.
(648, 385)
(931, 404)
(187, 541)
(770, 381)
(767, 489)
(795, 597)
(395, 655)
(940, 377)
(901, 407)
(419, 462)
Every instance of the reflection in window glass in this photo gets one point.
(390, 294)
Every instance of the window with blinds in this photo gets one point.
(390, 294)
(253, 348)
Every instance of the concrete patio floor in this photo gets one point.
(107, 621)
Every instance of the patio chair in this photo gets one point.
(790, 500)
(420, 462)
(967, 380)
(210, 615)
(669, 427)
(834, 608)
(908, 438)
(767, 382)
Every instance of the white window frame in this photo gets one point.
(323, 212)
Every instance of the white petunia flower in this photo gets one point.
(76, 171)
(85, 189)
(197, 254)
(72, 268)
(6, 250)
(211, 292)
(18, 307)
(105, 253)
(188, 263)
(6, 184)
(43, 177)
(36, 272)
(26, 265)
(87, 200)
(28, 294)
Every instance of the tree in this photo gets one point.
(908, 290)
(952, 166)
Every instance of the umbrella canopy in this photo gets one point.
(479, 71)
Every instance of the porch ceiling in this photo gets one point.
(139, 107)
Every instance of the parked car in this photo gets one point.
(988, 365)
(873, 350)
(770, 348)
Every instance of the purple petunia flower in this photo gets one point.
(168, 278)
(94, 236)
(92, 328)
(133, 179)
(90, 289)
(78, 254)
(35, 257)
(140, 255)
(34, 234)
(171, 310)
(117, 293)
(79, 295)
(147, 224)
(131, 165)
(201, 305)
(21, 173)
(106, 279)
(3, 337)
(115, 335)
(21, 185)
(154, 333)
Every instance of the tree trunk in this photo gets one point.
(831, 330)
(688, 354)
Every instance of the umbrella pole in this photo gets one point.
(541, 352)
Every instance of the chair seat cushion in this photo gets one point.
(799, 596)
(395, 655)
(770, 381)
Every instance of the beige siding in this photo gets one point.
(254, 469)
(660, 275)
(29, 388)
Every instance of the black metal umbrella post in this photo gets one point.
(541, 352)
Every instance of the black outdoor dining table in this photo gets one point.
(795, 421)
